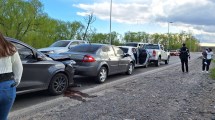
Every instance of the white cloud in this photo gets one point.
(195, 14)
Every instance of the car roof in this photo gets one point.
(95, 44)
(72, 40)
(137, 42)
(127, 46)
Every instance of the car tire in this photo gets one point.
(146, 65)
(167, 61)
(130, 69)
(58, 84)
(102, 75)
(158, 62)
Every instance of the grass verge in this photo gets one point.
(213, 72)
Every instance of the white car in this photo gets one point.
(157, 53)
(139, 55)
(61, 46)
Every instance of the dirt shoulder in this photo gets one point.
(165, 95)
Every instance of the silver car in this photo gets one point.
(61, 46)
(100, 60)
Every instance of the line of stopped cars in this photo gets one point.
(53, 68)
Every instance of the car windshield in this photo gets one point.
(131, 44)
(151, 46)
(60, 44)
(125, 50)
(85, 48)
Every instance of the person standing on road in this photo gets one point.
(10, 75)
(208, 59)
(204, 59)
(184, 54)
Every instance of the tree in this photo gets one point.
(89, 20)
(18, 17)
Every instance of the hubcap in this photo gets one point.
(130, 68)
(103, 75)
(59, 84)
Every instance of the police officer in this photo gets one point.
(184, 55)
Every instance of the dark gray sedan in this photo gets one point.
(41, 72)
(100, 60)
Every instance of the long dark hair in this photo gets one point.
(6, 47)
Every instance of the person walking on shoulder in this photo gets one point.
(184, 54)
(208, 59)
(204, 59)
(10, 75)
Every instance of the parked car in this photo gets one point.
(140, 56)
(157, 53)
(61, 46)
(174, 52)
(135, 44)
(40, 72)
(100, 60)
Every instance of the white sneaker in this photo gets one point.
(203, 71)
(207, 72)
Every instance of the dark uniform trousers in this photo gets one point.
(184, 61)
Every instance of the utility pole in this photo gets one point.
(110, 19)
(168, 35)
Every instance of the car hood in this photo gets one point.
(62, 58)
(58, 57)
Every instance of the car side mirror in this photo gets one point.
(39, 57)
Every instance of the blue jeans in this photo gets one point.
(7, 97)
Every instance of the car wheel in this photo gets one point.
(158, 62)
(102, 75)
(167, 61)
(58, 84)
(130, 69)
(146, 65)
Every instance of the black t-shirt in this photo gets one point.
(184, 53)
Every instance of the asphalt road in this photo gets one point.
(27, 100)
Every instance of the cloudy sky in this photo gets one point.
(151, 16)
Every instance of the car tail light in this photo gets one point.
(154, 53)
(88, 58)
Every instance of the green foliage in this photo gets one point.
(212, 73)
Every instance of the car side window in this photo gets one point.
(118, 51)
(110, 51)
(81, 42)
(140, 45)
(104, 51)
(162, 47)
(73, 44)
(25, 53)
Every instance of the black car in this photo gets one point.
(100, 60)
(54, 73)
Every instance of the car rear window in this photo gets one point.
(88, 48)
(151, 46)
(131, 44)
(125, 50)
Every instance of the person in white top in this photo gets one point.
(10, 75)
(208, 59)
